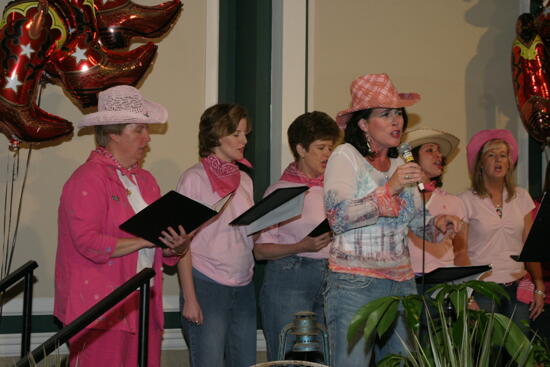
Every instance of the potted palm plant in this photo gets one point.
(456, 336)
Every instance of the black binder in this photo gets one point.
(536, 246)
(171, 210)
(449, 274)
(280, 205)
(323, 227)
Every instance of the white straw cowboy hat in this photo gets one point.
(124, 104)
(447, 142)
(373, 91)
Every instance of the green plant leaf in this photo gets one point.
(388, 318)
(413, 306)
(371, 312)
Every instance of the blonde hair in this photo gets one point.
(478, 183)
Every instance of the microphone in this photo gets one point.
(405, 152)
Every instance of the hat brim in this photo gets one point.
(447, 143)
(405, 100)
(155, 114)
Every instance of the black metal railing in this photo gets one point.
(24, 271)
(141, 281)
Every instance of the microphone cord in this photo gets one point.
(423, 195)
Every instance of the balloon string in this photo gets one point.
(11, 223)
(17, 219)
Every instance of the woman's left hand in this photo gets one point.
(537, 306)
(177, 243)
(448, 224)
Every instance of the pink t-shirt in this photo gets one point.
(491, 239)
(220, 251)
(295, 229)
(436, 254)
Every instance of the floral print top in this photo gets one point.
(369, 224)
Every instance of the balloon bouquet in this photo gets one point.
(72, 43)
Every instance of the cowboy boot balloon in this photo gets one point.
(121, 20)
(29, 34)
(84, 67)
(531, 80)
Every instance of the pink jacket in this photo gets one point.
(93, 204)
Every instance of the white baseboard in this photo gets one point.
(10, 344)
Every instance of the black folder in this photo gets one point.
(323, 227)
(171, 210)
(278, 206)
(449, 274)
(536, 247)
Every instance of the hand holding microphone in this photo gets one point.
(405, 152)
(406, 174)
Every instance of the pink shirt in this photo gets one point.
(436, 254)
(295, 229)
(220, 251)
(93, 204)
(491, 239)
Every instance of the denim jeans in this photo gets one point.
(514, 309)
(227, 336)
(345, 294)
(291, 284)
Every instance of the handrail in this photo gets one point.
(24, 271)
(140, 280)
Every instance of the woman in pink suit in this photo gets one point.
(94, 256)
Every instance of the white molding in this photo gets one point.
(288, 76)
(10, 344)
(212, 53)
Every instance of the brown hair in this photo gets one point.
(309, 127)
(478, 184)
(218, 121)
(102, 132)
(357, 137)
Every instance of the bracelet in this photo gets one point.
(540, 293)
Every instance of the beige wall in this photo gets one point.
(177, 80)
(454, 53)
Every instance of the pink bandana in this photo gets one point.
(293, 174)
(224, 176)
(128, 172)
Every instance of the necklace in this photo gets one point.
(498, 208)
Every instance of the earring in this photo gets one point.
(367, 137)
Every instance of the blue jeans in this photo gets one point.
(345, 294)
(227, 336)
(519, 310)
(290, 285)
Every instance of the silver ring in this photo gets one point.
(407, 177)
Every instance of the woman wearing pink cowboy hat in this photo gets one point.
(371, 200)
(497, 221)
(94, 256)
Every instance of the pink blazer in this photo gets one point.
(93, 204)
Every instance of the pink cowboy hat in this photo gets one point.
(478, 141)
(124, 104)
(371, 91)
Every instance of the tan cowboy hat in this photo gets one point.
(447, 142)
(372, 91)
